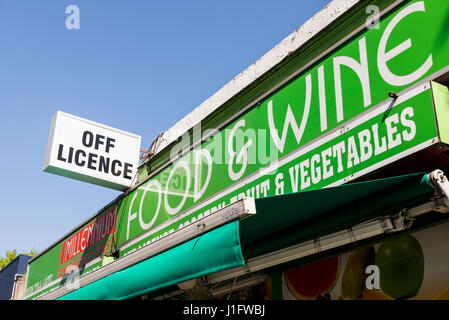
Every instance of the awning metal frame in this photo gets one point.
(388, 224)
(439, 181)
(335, 240)
(243, 208)
(238, 210)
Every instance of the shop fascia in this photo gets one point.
(242, 146)
(244, 137)
(297, 137)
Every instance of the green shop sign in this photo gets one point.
(330, 124)
(386, 133)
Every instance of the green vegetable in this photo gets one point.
(401, 266)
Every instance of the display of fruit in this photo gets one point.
(443, 295)
(374, 294)
(315, 280)
(354, 276)
(401, 266)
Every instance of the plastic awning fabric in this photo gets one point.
(289, 219)
(279, 222)
(213, 251)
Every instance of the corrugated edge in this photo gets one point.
(291, 43)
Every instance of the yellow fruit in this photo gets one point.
(354, 276)
(443, 296)
(373, 294)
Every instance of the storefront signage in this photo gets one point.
(78, 254)
(381, 136)
(83, 247)
(331, 124)
(91, 152)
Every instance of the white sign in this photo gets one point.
(91, 152)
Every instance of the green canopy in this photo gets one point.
(285, 220)
(213, 251)
(279, 222)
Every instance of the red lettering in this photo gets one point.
(86, 238)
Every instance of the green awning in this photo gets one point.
(289, 219)
(213, 251)
(279, 222)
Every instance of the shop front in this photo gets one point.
(323, 177)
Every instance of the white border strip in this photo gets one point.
(291, 43)
(96, 124)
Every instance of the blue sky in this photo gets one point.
(137, 65)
